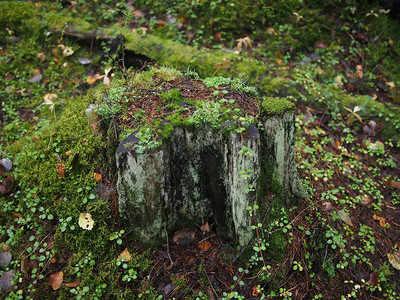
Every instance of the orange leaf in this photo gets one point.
(125, 255)
(18, 215)
(205, 228)
(256, 291)
(72, 284)
(68, 153)
(60, 168)
(395, 184)
(97, 176)
(204, 246)
(381, 220)
(56, 280)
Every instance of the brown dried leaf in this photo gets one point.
(345, 217)
(367, 200)
(395, 184)
(381, 220)
(184, 237)
(6, 185)
(205, 228)
(125, 255)
(204, 246)
(72, 284)
(373, 279)
(60, 168)
(56, 280)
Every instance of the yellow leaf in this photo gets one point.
(85, 221)
(394, 259)
(381, 220)
(125, 255)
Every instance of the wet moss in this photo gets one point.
(275, 106)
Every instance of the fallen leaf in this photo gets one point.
(6, 281)
(60, 168)
(184, 237)
(16, 214)
(373, 279)
(106, 81)
(328, 205)
(97, 176)
(394, 259)
(367, 200)
(72, 284)
(36, 78)
(92, 79)
(6, 185)
(205, 228)
(55, 53)
(48, 100)
(381, 220)
(41, 56)
(256, 291)
(5, 259)
(56, 280)
(395, 184)
(204, 246)
(86, 221)
(359, 71)
(84, 60)
(345, 217)
(125, 255)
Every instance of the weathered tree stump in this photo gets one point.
(209, 166)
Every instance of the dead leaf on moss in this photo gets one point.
(56, 280)
(394, 259)
(6, 185)
(125, 255)
(72, 284)
(60, 168)
(86, 221)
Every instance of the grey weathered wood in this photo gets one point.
(195, 177)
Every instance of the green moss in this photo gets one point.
(278, 87)
(22, 18)
(275, 106)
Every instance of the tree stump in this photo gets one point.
(219, 147)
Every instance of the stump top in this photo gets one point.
(159, 99)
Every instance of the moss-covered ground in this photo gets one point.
(336, 61)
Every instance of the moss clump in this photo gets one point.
(22, 18)
(275, 106)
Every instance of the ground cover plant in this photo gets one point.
(61, 236)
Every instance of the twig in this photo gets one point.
(172, 263)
